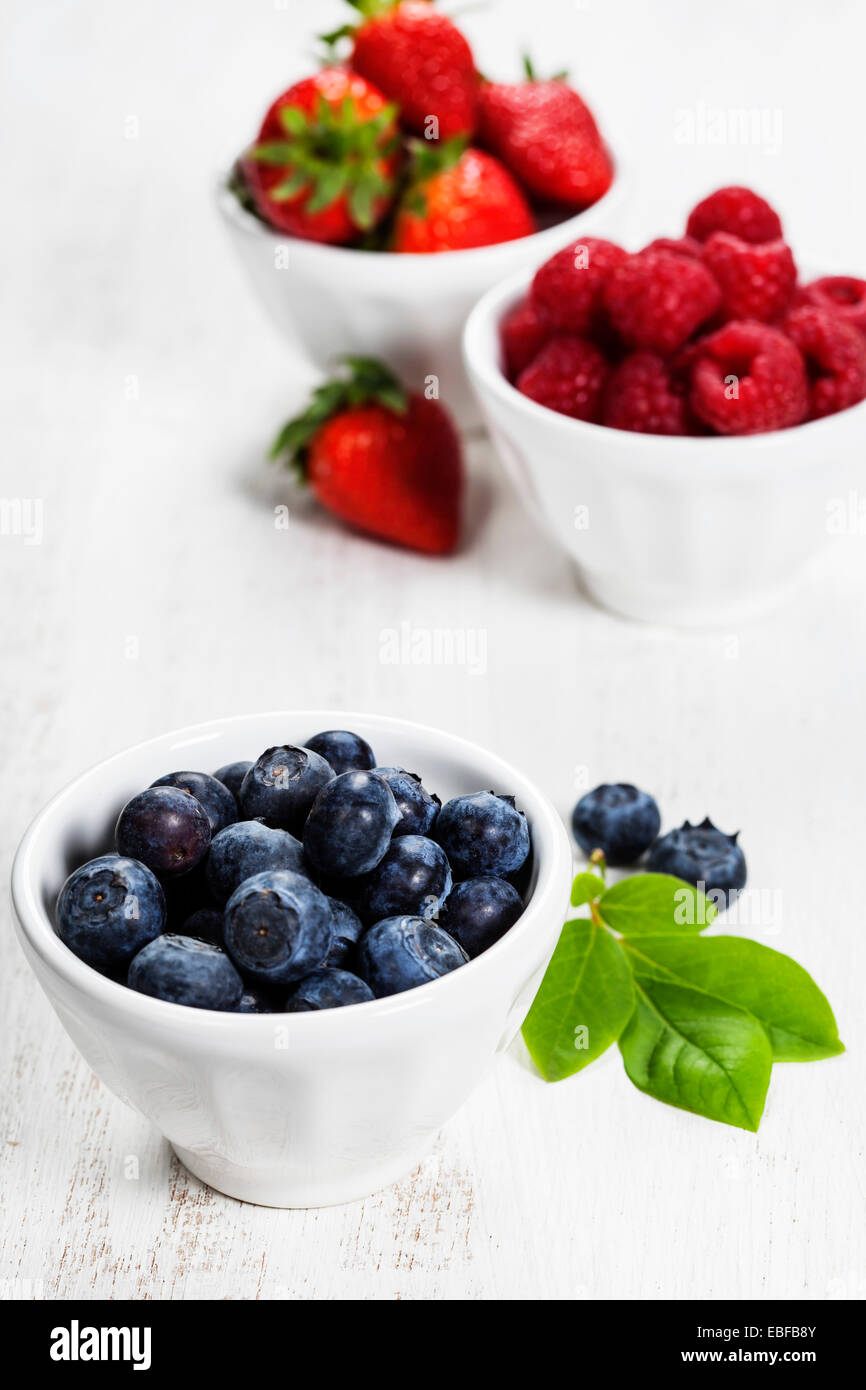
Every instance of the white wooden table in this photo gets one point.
(142, 387)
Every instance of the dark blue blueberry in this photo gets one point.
(701, 854)
(220, 806)
(347, 932)
(418, 808)
(205, 923)
(345, 751)
(249, 847)
(483, 834)
(282, 785)
(278, 927)
(183, 970)
(168, 830)
(108, 909)
(231, 775)
(349, 828)
(478, 911)
(327, 989)
(403, 952)
(618, 819)
(413, 879)
(254, 1001)
(184, 896)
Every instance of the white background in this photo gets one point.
(141, 386)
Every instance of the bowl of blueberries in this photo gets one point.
(294, 941)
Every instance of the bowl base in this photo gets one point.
(645, 605)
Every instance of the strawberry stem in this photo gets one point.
(364, 381)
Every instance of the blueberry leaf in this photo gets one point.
(585, 889)
(695, 1051)
(583, 1004)
(652, 904)
(779, 992)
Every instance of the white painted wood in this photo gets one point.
(141, 388)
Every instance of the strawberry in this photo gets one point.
(547, 137)
(386, 461)
(420, 59)
(459, 198)
(324, 166)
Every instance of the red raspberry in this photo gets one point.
(657, 299)
(757, 282)
(738, 211)
(568, 375)
(841, 295)
(678, 245)
(748, 378)
(643, 395)
(835, 355)
(523, 334)
(567, 289)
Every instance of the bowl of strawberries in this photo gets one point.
(682, 419)
(386, 192)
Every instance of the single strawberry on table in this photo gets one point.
(385, 460)
(458, 198)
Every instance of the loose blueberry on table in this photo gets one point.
(309, 879)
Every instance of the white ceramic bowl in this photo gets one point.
(684, 531)
(293, 1109)
(408, 310)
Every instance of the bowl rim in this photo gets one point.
(483, 367)
(551, 846)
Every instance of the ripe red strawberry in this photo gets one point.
(458, 199)
(841, 295)
(643, 394)
(757, 280)
(325, 163)
(747, 378)
(736, 210)
(567, 289)
(548, 137)
(386, 461)
(568, 375)
(523, 335)
(835, 356)
(419, 59)
(657, 299)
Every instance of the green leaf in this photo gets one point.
(654, 904)
(772, 986)
(584, 1002)
(585, 889)
(697, 1052)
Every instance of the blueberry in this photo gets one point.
(418, 808)
(618, 819)
(205, 923)
(701, 854)
(349, 828)
(168, 830)
(219, 804)
(345, 751)
(248, 847)
(402, 952)
(478, 911)
(231, 775)
(108, 909)
(282, 785)
(184, 896)
(278, 926)
(483, 834)
(327, 989)
(183, 970)
(254, 1001)
(413, 879)
(347, 932)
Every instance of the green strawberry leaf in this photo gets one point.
(585, 889)
(583, 1003)
(772, 986)
(652, 904)
(697, 1052)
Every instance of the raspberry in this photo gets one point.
(738, 211)
(567, 289)
(757, 282)
(841, 295)
(657, 299)
(835, 356)
(522, 336)
(748, 378)
(568, 375)
(678, 245)
(643, 395)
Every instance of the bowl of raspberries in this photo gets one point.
(297, 964)
(384, 193)
(682, 418)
